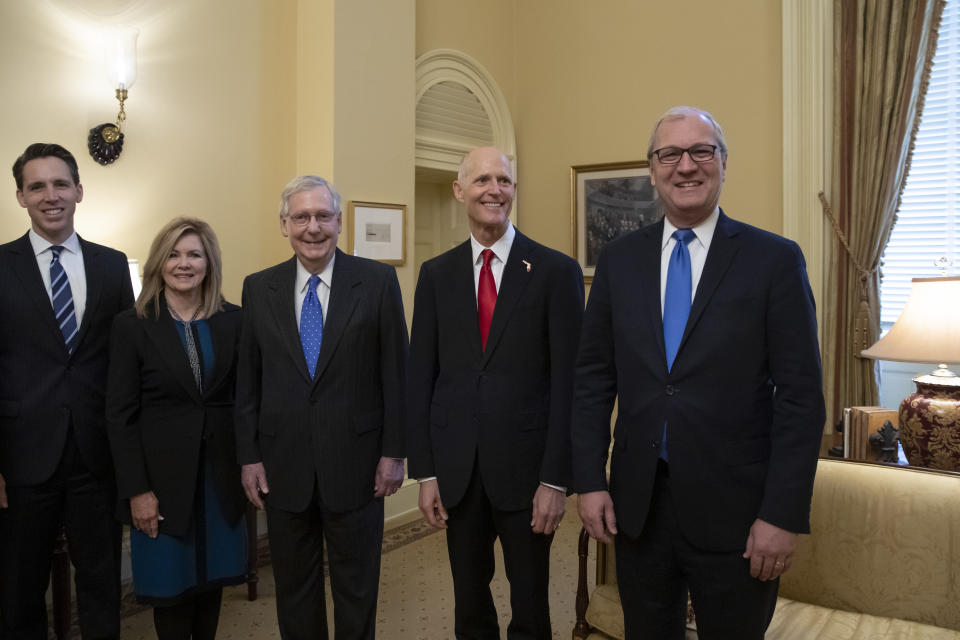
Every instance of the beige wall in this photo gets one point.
(374, 88)
(206, 109)
(486, 30)
(587, 81)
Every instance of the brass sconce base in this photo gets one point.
(105, 143)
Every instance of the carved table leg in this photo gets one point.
(581, 630)
(252, 578)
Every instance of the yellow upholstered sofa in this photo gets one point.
(882, 562)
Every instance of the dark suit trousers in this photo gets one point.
(28, 528)
(196, 618)
(655, 570)
(354, 541)
(473, 526)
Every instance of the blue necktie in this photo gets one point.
(63, 300)
(676, 304)
(311, 325)
(676, 298)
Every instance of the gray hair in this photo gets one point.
(306, 183)
(676, 113)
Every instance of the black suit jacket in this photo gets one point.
(43, 388)
(743, 401)
(158, 420)
(329, 431)
(507, 406)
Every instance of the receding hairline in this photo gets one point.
(467, 160)
(681, 112)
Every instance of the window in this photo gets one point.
(928, 223)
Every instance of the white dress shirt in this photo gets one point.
(72, 260)
(501, 251)
(698, 248)
(323, 289)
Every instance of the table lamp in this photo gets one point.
(928, 330)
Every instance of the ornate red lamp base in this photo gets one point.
(930, 422)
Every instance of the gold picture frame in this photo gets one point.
(608, 200)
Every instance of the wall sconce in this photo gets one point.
(105, 141)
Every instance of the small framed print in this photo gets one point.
(377, 230)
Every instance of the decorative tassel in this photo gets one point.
(862, 325)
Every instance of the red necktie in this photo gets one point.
(486, 297)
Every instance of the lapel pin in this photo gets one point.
(528, 265)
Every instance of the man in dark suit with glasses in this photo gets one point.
(704, 328)
(319, 414)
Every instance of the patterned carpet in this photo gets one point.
(416, 591)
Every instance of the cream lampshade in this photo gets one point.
(928, 330)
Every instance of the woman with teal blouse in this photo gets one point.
(170, 422)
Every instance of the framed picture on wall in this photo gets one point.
(608, 200)
(377, 230)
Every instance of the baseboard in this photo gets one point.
(403, 506)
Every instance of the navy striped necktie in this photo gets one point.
(63, 300)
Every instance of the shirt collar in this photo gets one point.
(326, 276)
(703, 231)
(41, 244)
(500, 248)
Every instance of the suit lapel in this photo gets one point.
(25, 266)
(93, 269)
(282, 308)
(344, 295)
(723, 248)
(458, 283)
(163, 334)
(648, 277)
(512, 284)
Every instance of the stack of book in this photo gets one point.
(859, 423)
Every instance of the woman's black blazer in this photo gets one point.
(158, 421)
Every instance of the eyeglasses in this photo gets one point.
(698, 153)
(302, 218)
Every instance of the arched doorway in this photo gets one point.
(459, 107)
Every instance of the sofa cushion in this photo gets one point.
(884, 541)
(800, 621)
(792, 621)
(604, 612)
